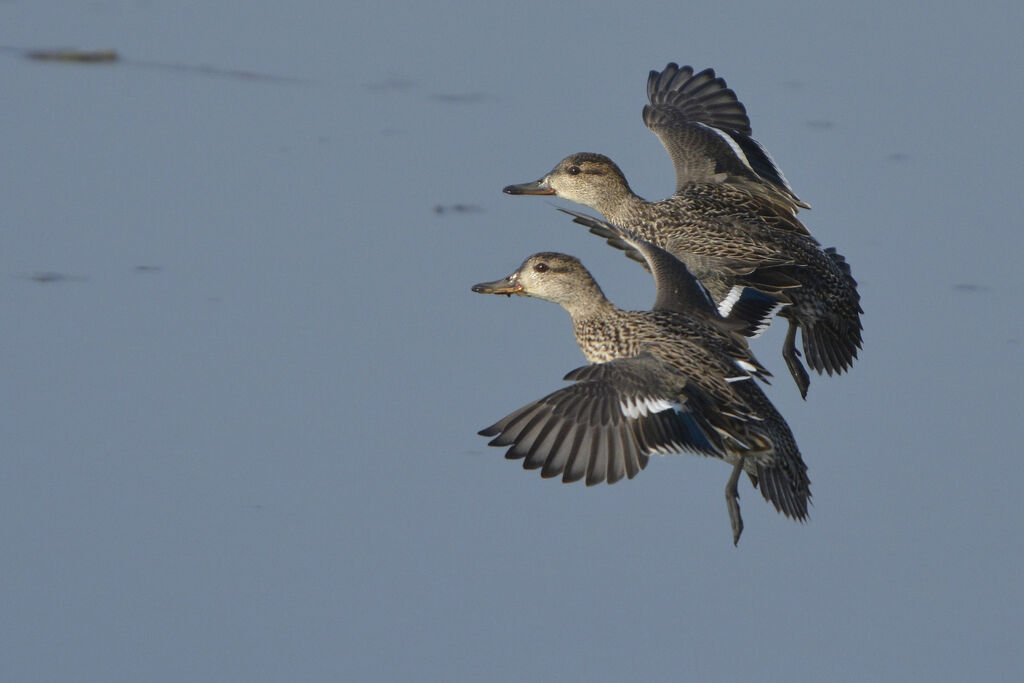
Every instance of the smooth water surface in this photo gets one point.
(243, 369)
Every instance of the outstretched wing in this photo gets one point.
(606, 425)
(707, 134)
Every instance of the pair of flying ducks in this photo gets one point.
(727, 253)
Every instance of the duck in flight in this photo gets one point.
(676, 378)
(732, 219)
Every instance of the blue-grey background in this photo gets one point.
(242, 369)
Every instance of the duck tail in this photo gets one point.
(784, 482)
(830, 348)
(786, 486)
(831, 344)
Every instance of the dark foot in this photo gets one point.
(792, 357)
(732, 496)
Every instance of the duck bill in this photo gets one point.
(504, 286)
(536, 187)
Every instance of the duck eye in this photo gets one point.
(574, 170)
(541, 267)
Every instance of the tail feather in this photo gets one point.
(832, 339)
(783, 481)
(787, 489)
(829, 350)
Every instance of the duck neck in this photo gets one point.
(618, 207)
(599, 334)
(588, 304)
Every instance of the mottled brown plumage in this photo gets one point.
(726, 240)
(660, 381)
(707, 134)
(732, 219)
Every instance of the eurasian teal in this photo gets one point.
(660, 381)
(732, 220)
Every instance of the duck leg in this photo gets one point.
(732, 496)
(792, 356)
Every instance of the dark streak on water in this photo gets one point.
(457, 208)
(46, 277)
(112, 58)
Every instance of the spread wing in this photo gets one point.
(606, 425)
(707, 134)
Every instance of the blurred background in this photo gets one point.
(243, 370)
